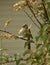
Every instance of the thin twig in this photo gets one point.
(5, 31)
(43, 3)
(29, 6)
(31, 18)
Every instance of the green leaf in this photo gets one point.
(48, 46)
(38, 55)
(40, 7)
(33, 61)
(23, 64)
(38, 45)
(17, 62)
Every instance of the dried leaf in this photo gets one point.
(7, 35)
(19, 5)
(7, 23)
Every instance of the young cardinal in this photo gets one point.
(25, 31)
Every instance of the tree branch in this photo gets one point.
(15, 35)
(31, 18)
(43, 3)
(29, 6)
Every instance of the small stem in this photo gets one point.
(31, 18)
(29, 6)
(43, 3)
(29, 45)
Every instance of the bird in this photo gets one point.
(25, 31)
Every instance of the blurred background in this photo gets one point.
(18, 19)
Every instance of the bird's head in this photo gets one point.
(25, 26)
